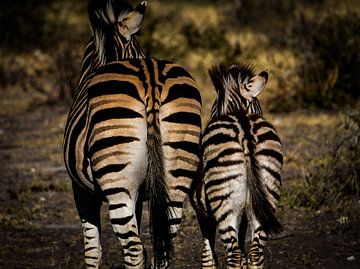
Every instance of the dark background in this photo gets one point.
(311, 49)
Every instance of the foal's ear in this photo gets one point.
(131, 24)
(257, 83)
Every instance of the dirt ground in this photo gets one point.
(39, 226)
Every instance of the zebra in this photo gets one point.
(132, 135)
(239, 178)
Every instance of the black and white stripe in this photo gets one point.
(132, 135)
(239, 176)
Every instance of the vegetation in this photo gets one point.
(330, 60)
(331, 181)
(310, 48)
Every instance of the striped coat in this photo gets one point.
(239, 179)
(132, 135)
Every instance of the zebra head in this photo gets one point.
(114, 24)
(237, 88)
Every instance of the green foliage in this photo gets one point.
(335, 180)
(155, 40)
(22, 22)
(323, 50)
(251, 12)
(330, 61)
(212, 39)
(29, 24)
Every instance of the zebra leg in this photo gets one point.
(256, 253)
(139, 210)
(123, 220)
(229, 236)
(208, 231)
(88, 206)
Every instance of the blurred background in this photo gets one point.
(311, 49)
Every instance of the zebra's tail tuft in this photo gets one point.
(158, 200)
(260, 204)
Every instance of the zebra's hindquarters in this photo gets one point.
(116, 146)
(223, 192)
(264, 173)
(180, 122)
(144, 127)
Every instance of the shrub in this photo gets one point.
(330, 62)
(212, 39)
(22, 23)
(251, 12)
(46, 78)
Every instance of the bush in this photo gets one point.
(47, 79)
(330, 61)
(251, 12)
(26, 25)
(212, 39)
(22, 23)
(154, 39)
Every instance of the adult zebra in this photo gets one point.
(132, 134)
(240, 170)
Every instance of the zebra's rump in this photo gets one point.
(223, 172)
(123, 100)
(231, 146)
(269, 156)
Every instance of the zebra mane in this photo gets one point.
(227, 83)
(107, 12)
(217, 74)
(244, 70)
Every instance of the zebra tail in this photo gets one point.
(158, 198)
(260, 205)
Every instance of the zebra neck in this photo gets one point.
(254, 108)
(134, 50)
(116, 50)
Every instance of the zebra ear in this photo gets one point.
(132, 22)
(257, 83)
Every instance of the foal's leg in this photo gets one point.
(256, 253)
(228, 231)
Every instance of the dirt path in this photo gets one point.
(40, 227)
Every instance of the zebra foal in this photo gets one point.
(132, 135)
(239, 176)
